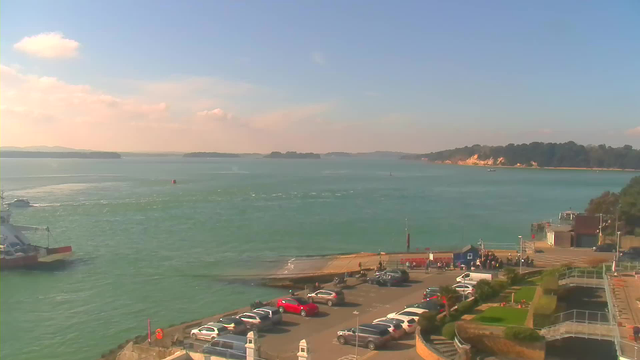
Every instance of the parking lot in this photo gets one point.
(370, 302)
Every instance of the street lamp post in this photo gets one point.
(357, 331)
(618, 247)
(520, 254)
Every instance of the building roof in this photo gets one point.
(586, 224)
(559, 228)
(467, 248)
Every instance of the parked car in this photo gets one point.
(368, 335)
(408, 312)
(297, 305)
(274, 314)
(393, 325)
(434, 305)
(227, 347)
(608, 247)
(409, 323)
(209, 332)
(235, 325)
(628, 257)
(329, 297)
(402, 273)
(256, 320)
(385, 280)
(431, 293)
(464, 288)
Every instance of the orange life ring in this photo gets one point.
(159, 334)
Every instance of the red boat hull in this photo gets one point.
(19, 262)
(32, 260)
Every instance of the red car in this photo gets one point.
(297, 305)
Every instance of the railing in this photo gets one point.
(460, 344)
(624, 348)
(582, 277)
(583, 316)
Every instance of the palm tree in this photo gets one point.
(450, 296)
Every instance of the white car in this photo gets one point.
(209, 331)
(465, 289)
(393, 325)
(410, 324)
(410, 312)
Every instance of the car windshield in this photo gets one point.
(411, 321)
(300, 300)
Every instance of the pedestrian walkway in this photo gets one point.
(548, 260)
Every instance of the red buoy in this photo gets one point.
(173, 182)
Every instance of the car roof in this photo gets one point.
(386, 321)
(373, 326)
(214, 324)
(230, 319)
(233, 338)
(413, 309)
(270, 308)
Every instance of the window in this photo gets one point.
(409, 313)
(226, 345)
(469, 256)
(216, 343)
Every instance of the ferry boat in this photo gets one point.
(16, 250)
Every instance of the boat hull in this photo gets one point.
(43, 259)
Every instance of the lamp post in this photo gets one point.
(618, 247)
(357, 331)
(520, 254)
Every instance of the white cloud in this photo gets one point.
(48, 45)
(633, 132)
(215, 114)
(318, 58)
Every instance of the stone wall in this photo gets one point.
(424, 349)
(145, 352)
(489, 339)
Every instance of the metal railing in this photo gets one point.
(460, 344)
(625, 349)
(582, 277)
(583, 316)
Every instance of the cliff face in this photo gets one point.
(476, 161)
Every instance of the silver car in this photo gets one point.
(256, 320)
(273, 312)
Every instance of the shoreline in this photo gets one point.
(531, 167)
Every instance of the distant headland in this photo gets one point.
(292, 155)
(216, 155)
(567, 155)
(60, 155)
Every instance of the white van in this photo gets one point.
(475, 276)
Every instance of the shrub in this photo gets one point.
(512, 276)
(519, 333)
(549, 284)
(427, 323)
(499, 286)
(466, 307)
(449, 331)
(546, 305)
(484, 291)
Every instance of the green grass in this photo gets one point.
(503, 316)
(526, 293)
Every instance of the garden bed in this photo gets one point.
(503, 316)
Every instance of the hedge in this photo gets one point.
(427, 322)
(546, 305)
(519, 333)
(466, 307)
(449, 331)
(549, 284)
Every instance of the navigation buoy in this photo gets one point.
(173, 182)
(159, 334)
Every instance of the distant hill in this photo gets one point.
(538, 154)
(382, 154)
(59, 155)
(210, 155)
(42, 148)
(292, 155)
(337, 154)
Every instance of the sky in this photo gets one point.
(261, 76)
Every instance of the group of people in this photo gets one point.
(526, 261)
(489, 261)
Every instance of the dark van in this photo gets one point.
(372, 336)
(228, 347)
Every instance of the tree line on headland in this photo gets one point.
(625, 206)
(538, 154)
(60, 155)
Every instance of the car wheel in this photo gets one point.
(342, 340)
(371, 345)
(303, 313)
(193, 336)
(330, 303)
(310, 299)
(281, 308)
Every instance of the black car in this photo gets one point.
(403, 274)
(605, 248)
(431, 293)
(435, 306)
(385, 280)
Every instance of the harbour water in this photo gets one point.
(145, 248)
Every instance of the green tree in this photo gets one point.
(630, 204)
(512, 276)
(606, 204)
(450, 296)
(484, 290)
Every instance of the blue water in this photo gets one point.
(147, 249)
